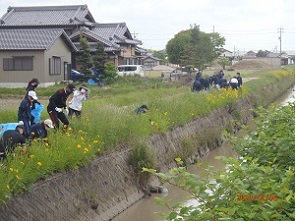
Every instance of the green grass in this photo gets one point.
(108, 121)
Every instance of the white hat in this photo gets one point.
(48, 122)
(83, 90)
(33, 95)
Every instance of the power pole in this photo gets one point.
(280, 38)
(134, 34)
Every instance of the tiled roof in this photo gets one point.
(46, 15)
(110, 34)
(31, 39)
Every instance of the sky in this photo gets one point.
(245, 24)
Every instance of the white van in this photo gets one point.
(123, 70)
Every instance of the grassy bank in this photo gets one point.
(108, 122)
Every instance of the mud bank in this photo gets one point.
(107, 186)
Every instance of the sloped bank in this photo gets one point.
(108, 186)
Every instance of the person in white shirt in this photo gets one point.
(234, 83)
(75, 105)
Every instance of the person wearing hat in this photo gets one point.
(37, 107)
(75, 105)
(11, 139)
(39, 130)
(24, 111)
(58, 102)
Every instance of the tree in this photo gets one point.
(194, 47)
(261, 53)
(110, 72)
(99, 59)
(84, 58)
(162, 54)
(224, 61)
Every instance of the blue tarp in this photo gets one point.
(7, 126)
(36, 112)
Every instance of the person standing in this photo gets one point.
(57, 102)
(10, 139)
(24, 111)
(240, 80)
(75, 105)
(37, 107)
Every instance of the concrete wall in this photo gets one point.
(108, 186)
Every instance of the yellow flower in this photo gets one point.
(80, 131)
(166, 113)
(46, 144)
(78, 145)
(98, 149)
(17, 177)
(31, 156)
(8, 187)
(39, 164)
(85, 150)
(33, 133)
(81, 138)
(95, 141)
(22, 163)
(70, 129)
(11, 169)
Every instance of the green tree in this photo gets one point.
(194, 47)
(100, 58)
(261, 53)
(162, 54)
(110, 72)
(224, 61)
(84, 59)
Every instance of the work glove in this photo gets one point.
(57, 109)
(20, 122)
(66, 111)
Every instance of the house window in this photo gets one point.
(55, 66)
(18, 64)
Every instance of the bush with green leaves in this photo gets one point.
(259, 185)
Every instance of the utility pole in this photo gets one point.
(134, 34)
(280, 38)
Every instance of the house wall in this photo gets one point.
(21, 78)
(58, 49)
(276, 62)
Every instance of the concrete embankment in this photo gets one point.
(107, 186)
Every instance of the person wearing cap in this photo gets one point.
(37, 107)
(24, 111)
(39, 130)
(75, 105)
(58, 102)
(11, 139)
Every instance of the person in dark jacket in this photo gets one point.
(57, 102)
(141, 110)
(32, 85)
(24, 111)
(240, 80)
(39, 130)
(10, 139)
(36, 106)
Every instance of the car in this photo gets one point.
(76, 75)
(123, 70)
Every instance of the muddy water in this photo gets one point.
(147, 209)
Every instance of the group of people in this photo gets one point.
(29, 125)
(217, 80)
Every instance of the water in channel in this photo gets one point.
(146, 209)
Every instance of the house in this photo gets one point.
(27, 53)
(150, 61)
(75, 19)
(250, 54)
(227, 54)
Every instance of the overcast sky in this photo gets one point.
(245, 24)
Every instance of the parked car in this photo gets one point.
(76, 75)
(123, 70)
